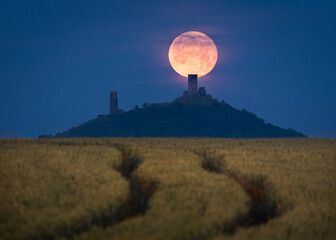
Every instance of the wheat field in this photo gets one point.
(168, 188)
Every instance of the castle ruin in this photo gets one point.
(192, 87)
(193, 91)
(192, 84)
(113, 102)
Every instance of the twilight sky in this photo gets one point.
(59, 59)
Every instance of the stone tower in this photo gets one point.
(113, 102)
(192, 84)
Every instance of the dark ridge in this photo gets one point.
(263, 205)
(196, 116)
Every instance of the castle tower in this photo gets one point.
(192, 84)
(201, 92)
(113, 102)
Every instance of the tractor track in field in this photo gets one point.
(263, 205)
(141, 189)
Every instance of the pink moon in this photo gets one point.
(193, 53)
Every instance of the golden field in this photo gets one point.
(168, 188)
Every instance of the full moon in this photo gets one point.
(193, 53)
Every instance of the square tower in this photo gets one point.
(192, 84)
(113, 102)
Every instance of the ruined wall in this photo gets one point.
(113, 102)
(192, 84)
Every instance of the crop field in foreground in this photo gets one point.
(168, 188)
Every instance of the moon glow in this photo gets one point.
(193, 53)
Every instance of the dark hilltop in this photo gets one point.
(194, 114)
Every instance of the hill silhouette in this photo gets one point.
(186, 116)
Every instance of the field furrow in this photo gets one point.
(168, 189)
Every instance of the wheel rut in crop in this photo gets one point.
(263, 205)
(141, 189)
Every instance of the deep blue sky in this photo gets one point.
(60, 59)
